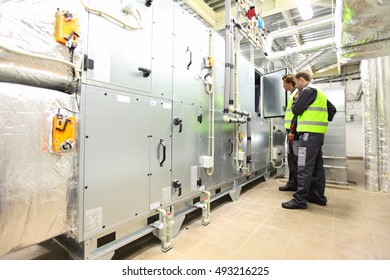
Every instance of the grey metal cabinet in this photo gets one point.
(185, 148)
(117, 62)
(126, 167)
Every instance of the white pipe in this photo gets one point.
(210, 171)
(324, 21)
(227, 119)
(170, 222)
(232, 66)
(310, 60)
(312, 46)
(206, 208)
(165, 244)
(239, 112)
(238, 163)
(248, 146)
(228, 34)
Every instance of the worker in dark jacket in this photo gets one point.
(312, 112)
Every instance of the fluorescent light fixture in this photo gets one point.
(304, 8)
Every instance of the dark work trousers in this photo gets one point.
(311, 173)
(292, 166)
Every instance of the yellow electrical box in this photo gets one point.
(64, 133)
(67, 28)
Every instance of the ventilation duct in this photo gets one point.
(306, 48)
(375, 79)
(362, 29)
(289, 31)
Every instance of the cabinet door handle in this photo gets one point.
(164, 151)
(231, 147)
(190, 57)
(146, 72)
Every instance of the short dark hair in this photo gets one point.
(289, 79)
(304, 75)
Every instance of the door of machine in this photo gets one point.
(160, 153)
(273, 94)
(185, 149)
(116, 159)
(191, 49)
(119, 56)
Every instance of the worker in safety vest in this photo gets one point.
(292, 146)
(312, 112)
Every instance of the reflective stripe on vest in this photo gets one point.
(289, 114)
(315, 117)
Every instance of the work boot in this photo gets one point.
(287, 188)
(317, 201)
(292, 204)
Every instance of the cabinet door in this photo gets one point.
(185, 147)
(116, 163)
(191, 46)
(118, 53)
(162, 48)
(273, 94)
(160, 153)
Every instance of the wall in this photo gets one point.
(354, 113)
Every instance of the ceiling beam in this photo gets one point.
(203, 10)
(287, 17)
(278, 6)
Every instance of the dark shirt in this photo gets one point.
(306, 97)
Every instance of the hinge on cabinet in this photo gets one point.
(88, 63)
(200, 118)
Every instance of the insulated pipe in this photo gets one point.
(368, 76)
(76, 69)
(324, 21)
(310, 60)
(383, 101)
(312, 46)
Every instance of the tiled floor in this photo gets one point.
(354, 225)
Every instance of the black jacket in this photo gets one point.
(306, 97)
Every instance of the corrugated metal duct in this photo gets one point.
(362, 29)
(375, 76)
(29, 54)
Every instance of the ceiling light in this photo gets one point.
(304, 8)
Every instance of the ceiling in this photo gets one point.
(292, 47)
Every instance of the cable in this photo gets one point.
(67, 110)
(104, 14)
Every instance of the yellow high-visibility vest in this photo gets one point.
(315, 117)
(289, 114)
